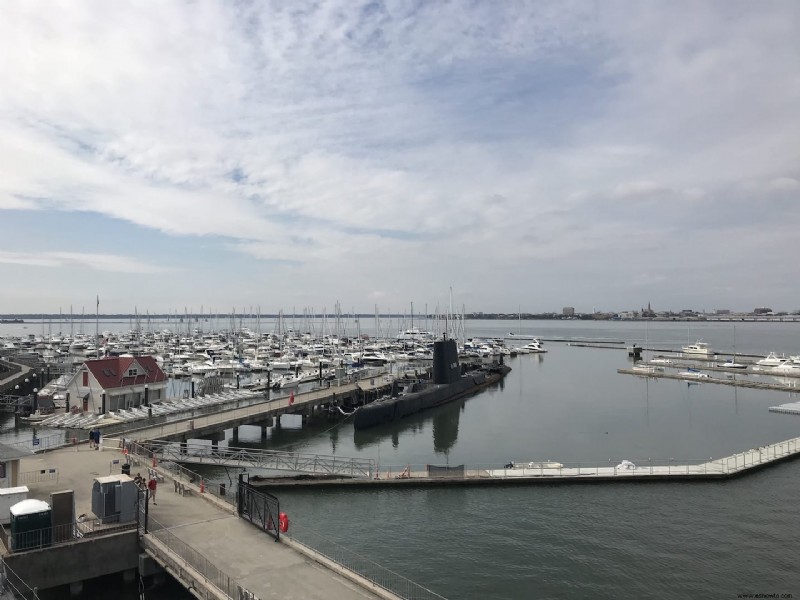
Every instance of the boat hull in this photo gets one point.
(393, 409)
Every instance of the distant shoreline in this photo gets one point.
(747, 318)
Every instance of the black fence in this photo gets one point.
(261, 509)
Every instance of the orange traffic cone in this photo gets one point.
(202, 486)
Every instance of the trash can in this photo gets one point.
(126, 469)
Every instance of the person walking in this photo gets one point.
(91, 438)
(152, 485)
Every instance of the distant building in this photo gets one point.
(122, 380)
(568, 311)
(648, 313)
(722, 311)
(763, 310)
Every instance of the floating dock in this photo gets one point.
(789, 386)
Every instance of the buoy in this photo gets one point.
(283, 520)
(202, 486)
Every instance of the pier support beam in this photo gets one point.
(129, 576)
(75, 589)
(235, 436)
(184, 445)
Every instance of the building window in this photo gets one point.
(132, 372)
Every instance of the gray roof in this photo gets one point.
(13, 452)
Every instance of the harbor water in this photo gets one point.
(623, 540)
(611, 540)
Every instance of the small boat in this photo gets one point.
(772, 360)
(534, 347)
(731, 364)
(661, 361)
(698, 348)
(693, 374)
(35, 417)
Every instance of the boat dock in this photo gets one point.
(258, 410)
(789, 386)
(549, 472)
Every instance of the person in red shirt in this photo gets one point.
(151, 485)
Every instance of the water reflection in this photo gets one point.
(444, 421)
(445, 426)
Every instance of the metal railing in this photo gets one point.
(366, 568)
(255, 406)
(261, 459)
(58, 534)
(728, 465)
(13, 584)
(183, 554)
(41, 443)
(224, 490)
(27, 477)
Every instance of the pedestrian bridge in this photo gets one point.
(297, 462)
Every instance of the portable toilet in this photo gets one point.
(31, 525)
(8, 498)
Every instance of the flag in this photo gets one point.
(291, 398)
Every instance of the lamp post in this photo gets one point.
(35, 400)
(146, 396)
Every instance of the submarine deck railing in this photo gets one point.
(298, 462)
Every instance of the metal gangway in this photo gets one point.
(8, 403)
(254, 458)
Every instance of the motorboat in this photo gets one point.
(698, 348)
(772, 360)
(693, 374)
(787, 368)
(534, 347)
(647, 369)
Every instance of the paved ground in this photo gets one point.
(266, 568)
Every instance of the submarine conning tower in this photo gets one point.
(445, 362)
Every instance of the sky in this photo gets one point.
(511, 155)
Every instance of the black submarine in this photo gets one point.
(450, 382)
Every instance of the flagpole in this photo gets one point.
(97, 329)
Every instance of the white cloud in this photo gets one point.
(394, 136)
(111, 263)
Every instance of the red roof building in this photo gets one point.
(109, 384)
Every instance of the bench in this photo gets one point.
(153, 474)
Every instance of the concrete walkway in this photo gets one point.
(236, 547)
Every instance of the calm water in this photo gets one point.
(703, 540)
(578, 541)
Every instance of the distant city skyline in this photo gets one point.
(535, 155)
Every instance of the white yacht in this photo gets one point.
(772, 360)
(534, 347)
(698, 348)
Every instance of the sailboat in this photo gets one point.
(731, 363)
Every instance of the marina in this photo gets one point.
(210, 443)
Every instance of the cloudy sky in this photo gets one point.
(527, 154)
